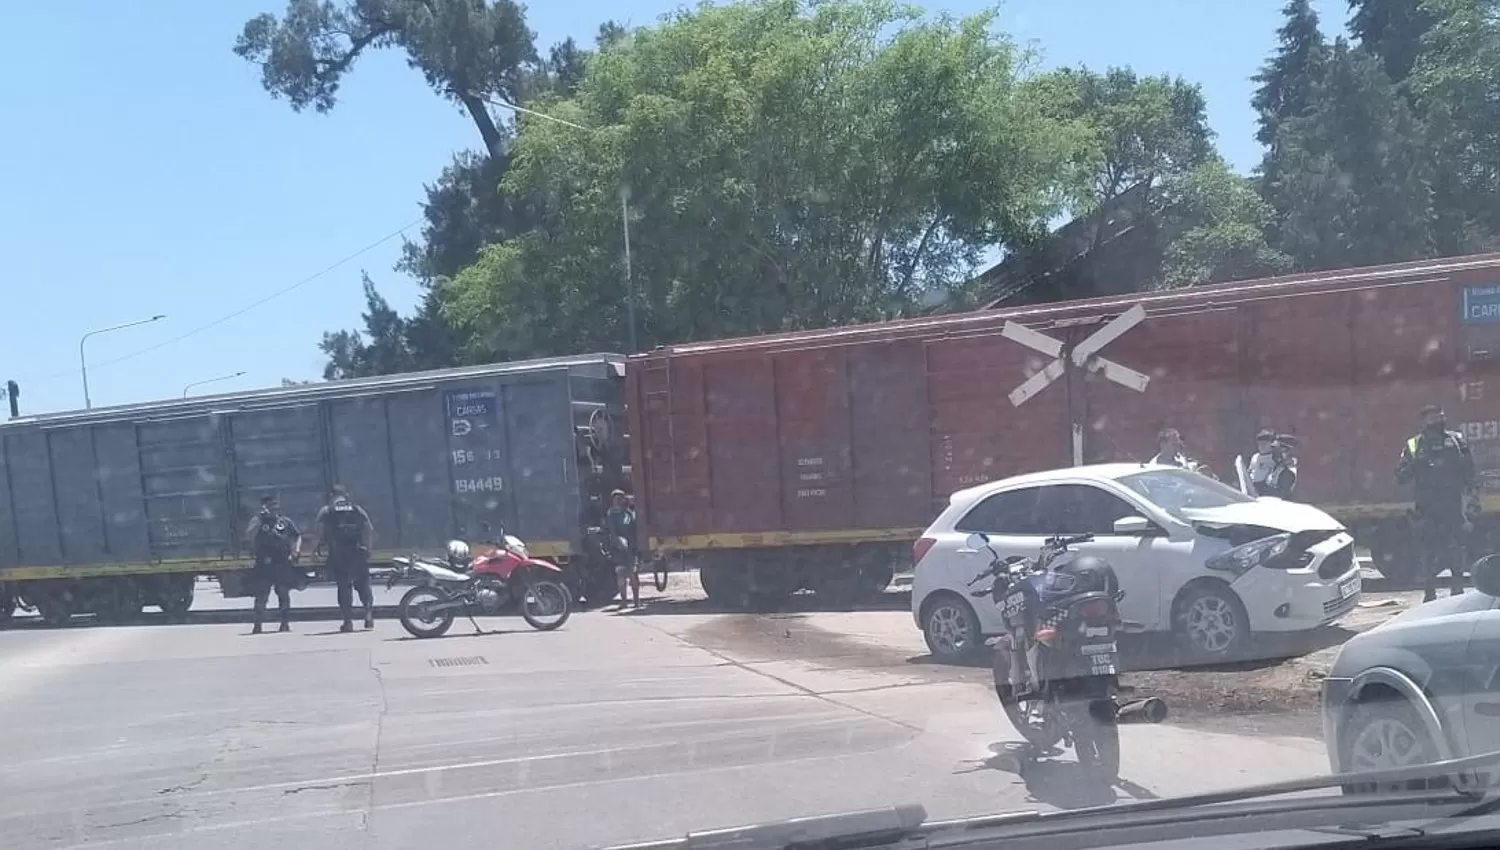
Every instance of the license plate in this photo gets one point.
(1103, 666)
(1348, 587)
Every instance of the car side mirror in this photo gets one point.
(1486, 573)
(976, 541)
(1133, 526)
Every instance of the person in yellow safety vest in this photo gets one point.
(1438, 465)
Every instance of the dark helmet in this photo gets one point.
(1091, 573)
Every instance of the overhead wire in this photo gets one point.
(248, 307)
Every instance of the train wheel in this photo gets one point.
(56, 609)
(121, 604)
(177, 598)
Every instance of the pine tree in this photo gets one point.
(1352, 185)
(1390, 30)
(1287, 80)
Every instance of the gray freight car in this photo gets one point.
(109, 510)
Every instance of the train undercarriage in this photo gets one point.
(764, 579)
(110, 599)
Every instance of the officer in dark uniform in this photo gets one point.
(1439, 467)
(347, 531)
(277, 544)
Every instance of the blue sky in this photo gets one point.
(146, 172)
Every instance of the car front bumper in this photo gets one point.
(1300, 599)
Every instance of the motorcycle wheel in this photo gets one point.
(659, 574)
(1097, 744)
(546, 605)
(419, 622)
(1034, 719)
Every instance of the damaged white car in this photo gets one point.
(1194, 556)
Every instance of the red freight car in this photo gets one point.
(814, 459)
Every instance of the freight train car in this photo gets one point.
(109, 510)
(815, 459)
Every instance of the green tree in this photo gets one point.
(469, 51)
(1142, 130)
(1285, 85)
(1392, 31)
(1351, 182)
(787, 164)
(1455, 86)
(1217, 224)
(383, 349)
(480, 55)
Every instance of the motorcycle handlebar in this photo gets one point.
(1062, 541)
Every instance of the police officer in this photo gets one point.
(1440, 469)
(347, 531)
(277, 544)
(1273, 469)
(619, 524)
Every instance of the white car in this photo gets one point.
(1194, 557)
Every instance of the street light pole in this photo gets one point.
(629, 281)
(83, 364)
(209, 381)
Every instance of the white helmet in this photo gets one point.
(458, 552)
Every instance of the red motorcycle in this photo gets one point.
(503, 572)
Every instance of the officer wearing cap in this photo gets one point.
(1273, 469)
(1440, 469)
(619, 524)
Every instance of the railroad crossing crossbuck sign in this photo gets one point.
(1085, 354)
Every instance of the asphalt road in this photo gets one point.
(618, 727)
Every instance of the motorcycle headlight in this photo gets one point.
(1241, 559)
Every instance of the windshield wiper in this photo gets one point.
(865, 828)
(876, 827)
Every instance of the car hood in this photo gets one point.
(1464, 603)
(1268, 513)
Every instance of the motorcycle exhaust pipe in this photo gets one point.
(1147, 710)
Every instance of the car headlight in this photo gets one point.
(1256, 553)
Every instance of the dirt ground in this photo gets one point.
(1276, 692)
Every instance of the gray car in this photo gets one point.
(1421, 687)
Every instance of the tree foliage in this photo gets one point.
(469, 51)
(481, 56)
(1353, 181)
(784, 165)
(1217, 223)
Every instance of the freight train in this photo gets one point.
(776, 463)
(815, 459)
(109, 510)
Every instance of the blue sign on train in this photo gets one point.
(470, 404)
(1481, 304)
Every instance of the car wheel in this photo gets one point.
(951, 628)
(1211, 623)
(1384, 733)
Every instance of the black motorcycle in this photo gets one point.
(1056, 669)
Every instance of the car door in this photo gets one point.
(1077, 508)
(1008, 519)
(1476, 684)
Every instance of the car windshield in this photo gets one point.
(1175, 489)
(550, 425)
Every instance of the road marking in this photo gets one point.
(365, 814)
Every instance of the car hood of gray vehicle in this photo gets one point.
(1462, 604)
